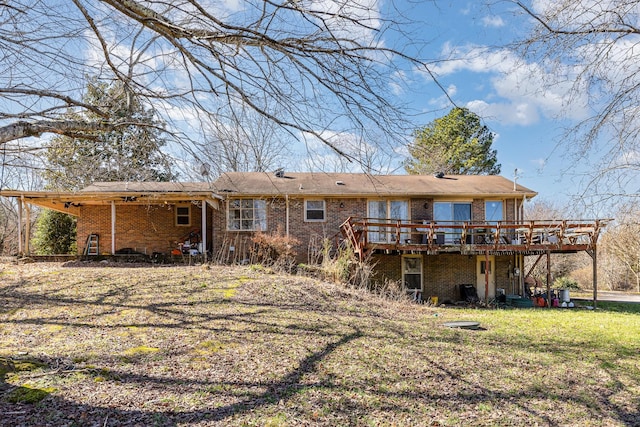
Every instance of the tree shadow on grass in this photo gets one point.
(51, 409)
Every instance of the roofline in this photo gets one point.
(517, 194)
(105, 194)
(69, 202)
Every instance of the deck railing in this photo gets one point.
(471, 236)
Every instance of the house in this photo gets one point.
(435, 233)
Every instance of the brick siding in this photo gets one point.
(442, 274)
(146, 229)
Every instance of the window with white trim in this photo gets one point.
(412, 275)
(183, 215)
(314, 210)
(247, 215)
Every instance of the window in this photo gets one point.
(314, 210)
(387, 211)
(493, 211)
(452, 213)
(247, 215)
(183, 215)
(412, 275)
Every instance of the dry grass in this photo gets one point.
(168, 346)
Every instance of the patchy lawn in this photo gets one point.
(94, 345)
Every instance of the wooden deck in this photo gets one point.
(497, 238)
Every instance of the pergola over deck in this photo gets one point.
(371, 235)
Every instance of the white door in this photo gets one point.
(483, 273)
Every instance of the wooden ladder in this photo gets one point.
(92, 245)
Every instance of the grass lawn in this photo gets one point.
(96, 345)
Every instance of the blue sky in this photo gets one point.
(463, 41)
(495, 82)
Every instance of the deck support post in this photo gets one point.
(548, 279)
(486, 277)
(594, 262)
(204, 230)
(113, 227)
(27, 229)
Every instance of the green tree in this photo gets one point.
(55, 233)
(127, 153)
(457, 144)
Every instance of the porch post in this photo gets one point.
(204, 229)
(113, 227)
(20, 249)
(27, 229)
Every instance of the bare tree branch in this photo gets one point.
(309, 67)
(594, 45)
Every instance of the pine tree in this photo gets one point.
(457, 144)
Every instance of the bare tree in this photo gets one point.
(18, 170)
(592, 46)
(307, 66)
(562, 265)
(246, 143)
(621, 243)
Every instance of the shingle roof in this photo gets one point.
(342, 184)
(147, 187)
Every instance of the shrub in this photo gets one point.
(274, 249)
(55, 233)
(566, 283)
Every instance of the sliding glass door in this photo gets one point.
(451, 213)
(387, 211)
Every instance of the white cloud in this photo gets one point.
(520, 92)
(538, 163)
(523, 114)
(492, 21)
(399, 80)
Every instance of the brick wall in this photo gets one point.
(442, 274)
(145, 228)
(337, 211)
(477, 210)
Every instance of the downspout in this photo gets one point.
(113, 227)
(286, 198)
